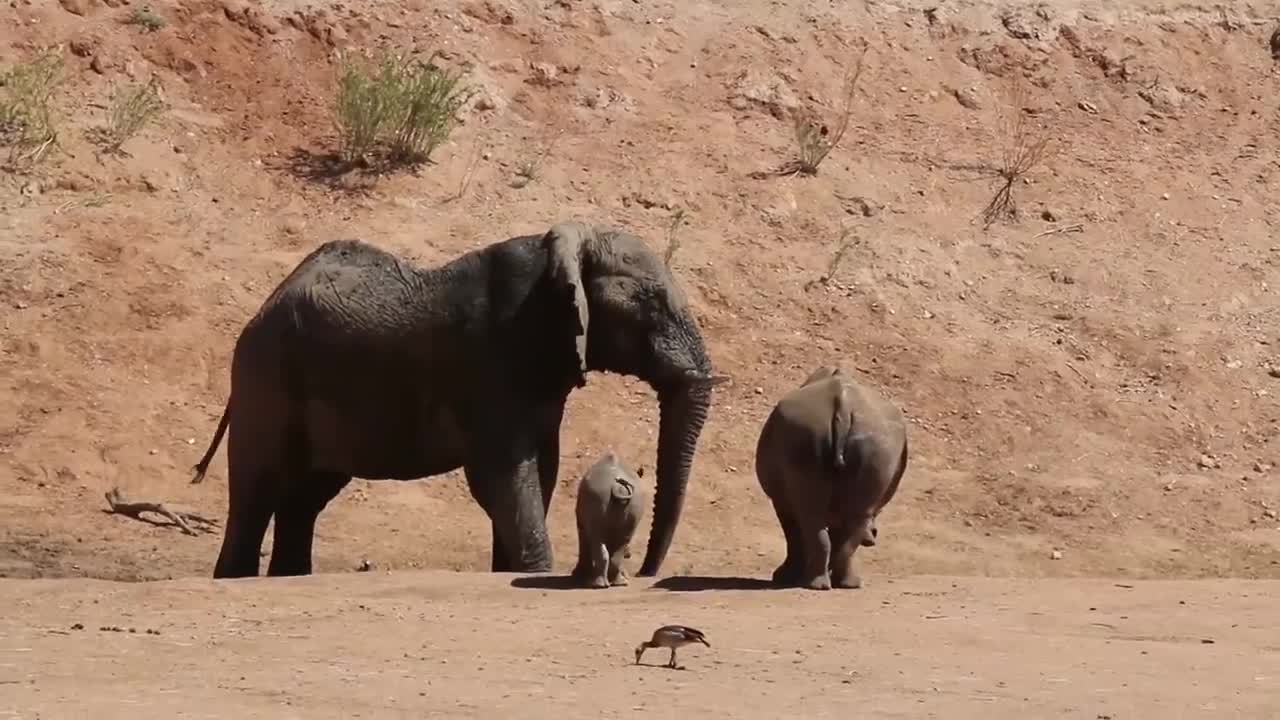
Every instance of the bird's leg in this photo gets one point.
(672, 663)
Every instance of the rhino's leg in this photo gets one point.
(789, 572)
(845, 540)
(599, 574)
(617, 576)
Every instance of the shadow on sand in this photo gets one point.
(700, 583)
(547, 582)
(678, 583)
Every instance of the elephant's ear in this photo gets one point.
(564, 243)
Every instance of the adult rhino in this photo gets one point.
(362, 364)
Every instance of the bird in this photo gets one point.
(672, 636)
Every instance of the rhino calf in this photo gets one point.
(609, 508)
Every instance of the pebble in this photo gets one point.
(1207, 462)
(1056, 555)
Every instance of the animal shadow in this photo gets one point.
(700, 583)
(547, 582)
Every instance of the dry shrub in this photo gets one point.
(814, 139)
(27, 124)
(1025, 145)
(132, 107)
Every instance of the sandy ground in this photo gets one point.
(1091, 385)
(440, 644)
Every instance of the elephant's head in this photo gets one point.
(628, 316)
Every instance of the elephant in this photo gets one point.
(609, 508)
(363, 364)
(830, 456)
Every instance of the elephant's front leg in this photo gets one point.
(509, 493)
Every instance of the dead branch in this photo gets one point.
(120, 505)
(1077, 227)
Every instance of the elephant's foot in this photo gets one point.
(620, 580)
(788, 573)
(599, 583)
(821, 582)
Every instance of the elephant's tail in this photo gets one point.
(203, 466)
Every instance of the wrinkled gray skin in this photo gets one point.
(363, 364)
(609, 508)
(830, 457)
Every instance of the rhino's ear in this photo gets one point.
(564, 244)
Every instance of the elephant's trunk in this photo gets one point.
(683, 410)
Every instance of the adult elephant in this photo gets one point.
(362, 364)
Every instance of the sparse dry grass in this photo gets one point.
(395, 109)
(1025, 145)
(146, 18)
(527, 170)
(27, 123)
(132, 107)
(814, 140)
(846, 242)
(673, 236)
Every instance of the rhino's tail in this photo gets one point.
(841, 424)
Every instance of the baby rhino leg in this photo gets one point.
(617, 576)
(599, 565)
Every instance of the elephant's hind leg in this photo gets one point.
(249, 510)
(296, 521)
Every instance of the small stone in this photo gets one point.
(543, 74)
(1270, 513)
(759, 391)
(1056, 555)
(967, 98)
(98, 65)
(1261, 467)
(1207, 462)
(1087, 106)
(82, 46)
(77, 7)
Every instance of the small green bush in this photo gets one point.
(406, 106)
(132, 107)
(27, 124)
(146, 18)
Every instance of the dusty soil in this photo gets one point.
(461, 645)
